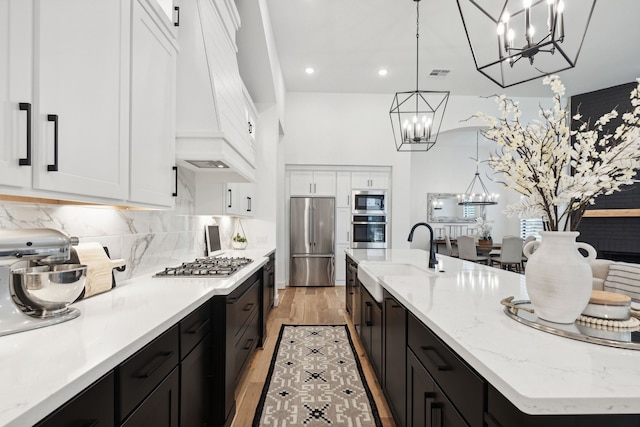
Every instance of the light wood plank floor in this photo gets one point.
(312, 306)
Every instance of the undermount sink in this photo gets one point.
(370, 274)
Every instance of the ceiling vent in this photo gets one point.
(439, 73)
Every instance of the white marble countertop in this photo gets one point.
(43, 368)
(540, 373)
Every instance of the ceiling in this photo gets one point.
(347, 41)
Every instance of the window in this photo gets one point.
(531, 227)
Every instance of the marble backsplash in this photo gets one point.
(148, 240)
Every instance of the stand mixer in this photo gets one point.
(36, 286)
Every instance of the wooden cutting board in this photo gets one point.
(99, 267)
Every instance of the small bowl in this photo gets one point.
(608, 305)
(48, 290)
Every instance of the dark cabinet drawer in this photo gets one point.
(137, 376)
(241, 307)
(160, 408)
(92, 407)
(427, 406)
(245, 346)
(193, 328)
(462, 386)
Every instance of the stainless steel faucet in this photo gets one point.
(432, 252)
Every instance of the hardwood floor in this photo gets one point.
(312, 306)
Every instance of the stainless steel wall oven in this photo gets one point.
(369, 231)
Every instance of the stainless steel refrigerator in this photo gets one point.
(312, 241)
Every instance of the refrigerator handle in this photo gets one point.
(313, 224)
(330, 269)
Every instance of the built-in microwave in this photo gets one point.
(369, 232)
(369, 202)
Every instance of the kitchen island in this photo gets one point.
(539, 373)
(44, 368)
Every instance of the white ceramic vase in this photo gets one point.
(558, 277)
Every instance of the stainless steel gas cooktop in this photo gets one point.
(206, 267)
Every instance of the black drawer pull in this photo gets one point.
(248, 307)
(249, 344)
(25, 106)
(367, 314)
(175, 170)
(436, 414)
(177, 23)
(92, 423)
(198, 328)
(54, 118)
(490, 420)
(440, 363)
(158, 360)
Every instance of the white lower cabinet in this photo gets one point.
(341, 270)
(343, 226)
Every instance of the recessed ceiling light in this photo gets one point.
(382, 72)
(309, 70)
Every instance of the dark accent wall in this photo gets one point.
(616, 238)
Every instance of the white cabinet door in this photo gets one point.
(343, 189)
(379, 180)
(16, 72)
(324, 183)
(81, 97)
(373, 180)
(240, 199)
(343, 225)
(301, 183)
(341, 268)
(153, 82)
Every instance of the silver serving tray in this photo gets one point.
(522, 311)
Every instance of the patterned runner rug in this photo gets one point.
(315, 379)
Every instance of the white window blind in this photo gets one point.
(531, 227)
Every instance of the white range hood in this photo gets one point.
(214, 114)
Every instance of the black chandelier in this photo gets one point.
(416, 116)
(482, 197)
(515, 41)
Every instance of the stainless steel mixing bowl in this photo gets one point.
(48, 290)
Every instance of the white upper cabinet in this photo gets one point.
(153, 91)
(312, 183)
(373, 180)
(343, 189)
(214, 198)
(16, 99)
(81, 90)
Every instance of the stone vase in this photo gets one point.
(558, 277)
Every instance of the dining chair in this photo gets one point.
(450, 251)
(510, 254)
(467, 250)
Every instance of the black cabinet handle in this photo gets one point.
(440, 364)
(92, 423)
(54, 118)
(175, 170)
(436, 414)
(158, 360)
(198, 328)
(248, 307)
(248, 204)
(25, 106)
(249, 344)
(367, 313)
(177, 23)
(230, 194)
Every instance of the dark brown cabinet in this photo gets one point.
(464, 388)
(236, 331)
(160, 408)
(427, 405)
(371, 329)
(351, 274)
(394, 383)
(93, 406)
(140, 374)
(268, 294)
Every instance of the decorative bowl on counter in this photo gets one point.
(48, 290)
